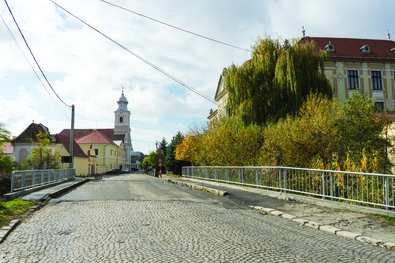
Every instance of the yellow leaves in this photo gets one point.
(229, 143)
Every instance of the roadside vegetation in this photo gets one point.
(11, 210)
(280, 112)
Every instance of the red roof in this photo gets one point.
(65, 141)
(7, 148)
(79, 133)
(95, 137)
(351, 47)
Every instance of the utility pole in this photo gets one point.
(72, 137)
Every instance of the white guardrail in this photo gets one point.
(377, 190)
(21, 180)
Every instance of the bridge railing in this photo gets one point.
(377, 190)
(21, 180)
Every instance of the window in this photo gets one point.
(379, 105)
(376, 80)
(96, 151)
(121, 119)
(352, 79)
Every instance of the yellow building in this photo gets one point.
(107, 154)
(364, 64)
(110, 148)
(80, 159)
(24, 143)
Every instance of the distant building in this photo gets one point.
(95, 151)
(25, 142)
(8, 150)
(107, 148)
(221, 96)
(136, 159)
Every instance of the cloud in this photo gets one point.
(89, 71)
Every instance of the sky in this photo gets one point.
(88, 70)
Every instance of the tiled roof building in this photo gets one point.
(365, 64)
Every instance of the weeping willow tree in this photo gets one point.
(276, 81)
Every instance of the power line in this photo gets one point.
(31, 52)
(176, 27)
(23, 53)
(139, 57)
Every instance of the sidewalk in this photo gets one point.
(345, 220)
(54, 190)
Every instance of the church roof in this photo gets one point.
(79, 133)
(95, 137)
(30, 133)
(123, 98)
(354, 47)
(65, 141)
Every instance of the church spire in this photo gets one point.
(122, 116)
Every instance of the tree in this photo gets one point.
(276, 81)
(360, 132)
(299, 141)
(228, 143)
(173, 165)
(7, 165)
(329, 135)
(163, 146)
(42, 155)
(4, 135)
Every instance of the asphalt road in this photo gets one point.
(137, 218)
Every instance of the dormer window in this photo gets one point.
(393, 50)
(365, 49)
(330, 47)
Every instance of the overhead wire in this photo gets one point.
(175, 27)
(23, 53)
(31, 52)
(139, 57)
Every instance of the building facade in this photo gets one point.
(365, 64)
(110, 148)
(95, 151)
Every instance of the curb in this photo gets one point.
(65, 189)
(198, 187)
(327, 229)
(17, 194)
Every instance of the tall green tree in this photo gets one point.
(163, 146)
(42, 155)
(276, 81)
(173, 165)
(361, 132)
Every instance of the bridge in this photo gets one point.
(138, 218)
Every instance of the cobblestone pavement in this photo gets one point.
(173, 231)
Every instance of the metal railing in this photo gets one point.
(377, 190)
(21, 180)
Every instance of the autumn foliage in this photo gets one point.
(326, 134)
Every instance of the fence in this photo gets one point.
(377, 190)
(21, 180)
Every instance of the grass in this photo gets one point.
(388, 220)
(174, 175)
(13, 209)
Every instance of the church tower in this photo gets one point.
(122, 116)
(122, 127)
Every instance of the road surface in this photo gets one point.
(137, 218)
